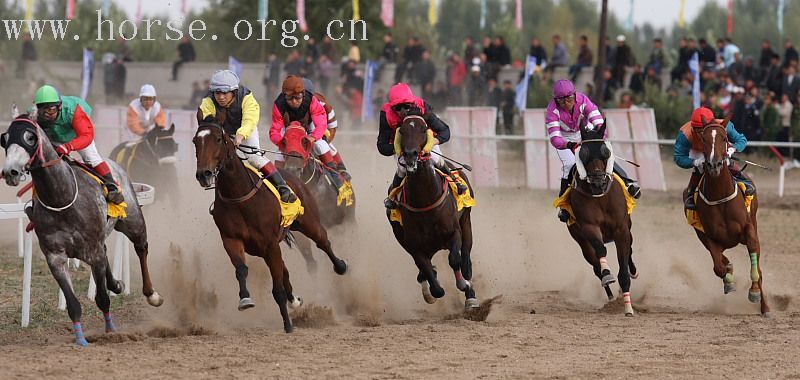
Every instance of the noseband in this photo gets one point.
(256, 185)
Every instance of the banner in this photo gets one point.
(432, 16)
(301, 15)
(356, 11)
(138, 17)
(29, 12)
(694, 66)
(367, 111)
(387, 13)
(730, 18)
(263, 9)
(235, 66)
(781, 6)
(70, 14)
(522, 87)
(681, 18)
(629, 21)
(106, 7)
(183, 7)
(483, 14)
(87, 73)
(518, 17)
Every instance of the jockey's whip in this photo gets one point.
(465, 166)
(628, 161)
(751, 163)
(264, 151)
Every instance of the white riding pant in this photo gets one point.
(90, 155)
(320, 147)
(438, 161)
(256, 160)
(567, 158)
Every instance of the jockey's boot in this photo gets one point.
(738, 176)
(286, 193)
(563, 215)
(333, 172)
(634, 189)
(460, 187)
(114, 195)
(689, 203)
(337, 158)
(389, 203)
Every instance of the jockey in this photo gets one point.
(689, 152)
(145, 112)
(241, 113)
(65, 120)
(296, 104)
(567, 113)
(402, 103)
(332, 125)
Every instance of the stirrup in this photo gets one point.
(634, 190)
(563, 215)
(114, 195)
(688, 203)
(389, 203)
(461, 188)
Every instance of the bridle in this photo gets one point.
(707, 163)
(423, 157)
(605, 177)
(256, 185)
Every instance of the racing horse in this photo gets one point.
(248, 216)
(722, 212)
(151, 159)
(317, 177)
(601, 214)
(431, 220)
(70, 213)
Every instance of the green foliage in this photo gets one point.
(671, 111)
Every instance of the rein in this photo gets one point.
(433, 206)
(256, 185)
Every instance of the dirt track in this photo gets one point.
(551, 321)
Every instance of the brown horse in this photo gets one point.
(151, 160)
(431, 220)
(722, 212)
(601, 214)
(248, 216)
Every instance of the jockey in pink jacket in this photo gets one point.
(567, 113)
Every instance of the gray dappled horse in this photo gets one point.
(70, 215)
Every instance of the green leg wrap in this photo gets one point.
(728, 278)
(754, 275)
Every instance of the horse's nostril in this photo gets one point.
(13, 173)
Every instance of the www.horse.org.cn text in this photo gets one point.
(153, 29)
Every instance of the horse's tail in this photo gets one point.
(289, 239)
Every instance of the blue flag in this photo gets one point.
(367, 111)
(694, 66)
(87, 73)
(483, 14)
(781, 5)
(522, 87)
(263, 5)
(106, 6)
(235, 66)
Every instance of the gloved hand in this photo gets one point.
(571, 145)
(63, 149)
(238, 139)
(698, 162)
(731, 151)
(310, 139)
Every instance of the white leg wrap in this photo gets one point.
(626, 299)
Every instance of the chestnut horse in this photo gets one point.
(722, 212)
(248, 216)
(601, 214)
(431, 220)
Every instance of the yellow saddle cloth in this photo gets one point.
(463, 200)
(114, 210)
(345, 194)
(693, 218)
(289, 211)
(563, 201)
(126, 154)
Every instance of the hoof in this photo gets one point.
(155, 299)
(426, 293)
(608, 280)
(630, 314)
(633, 275)
(296, 303)
(754, 297)
(119, 288)
(288, 328)
(463, 284)
(110, 328)
(729, 288)
(81, 341)
(768, 315)
(246, 303)
(340, 268)
(471, 303)
(437, 292)
(609, 293)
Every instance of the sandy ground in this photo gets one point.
(544, 313)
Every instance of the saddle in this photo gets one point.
(463, 200)
(693, 218)
(563, 201)
(289, 211)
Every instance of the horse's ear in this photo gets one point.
(602, 129)
(583, 133)
(727, 120)
(171, 129)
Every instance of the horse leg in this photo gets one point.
(276, 269)
(591, 257)
(454, 259)
(137, 234)
(595, 238)
(319, 235)
(304, 245)
(235, 250)
(57, 262)
(623, 241)
(756, 293)
(466, 261)
(114, 285)
(294, 302)
(721, 269)
(100, 271)
(428, 273)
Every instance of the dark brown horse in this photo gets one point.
(722, 212)
(248, 216)
(601, 214)
(431, 220)
(151, 160)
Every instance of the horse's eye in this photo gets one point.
(605, 152)
(583, 155)
(29, 138)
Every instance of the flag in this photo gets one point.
(518, 17)
(483, 14)
(29, 11)
(681, 18)
(301, 15)
(781, 6)
(70, 10)
(356, 11)
(235, 66)
(432, 16)
(183, 7)
(263, 7)
(694, 66)
(106, 7)
(522, 87)
(629, 21)
(138, 17)
(730, 17)
(87, 73)
(367, 110)
(387, 13)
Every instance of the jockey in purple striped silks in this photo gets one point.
(567, 113)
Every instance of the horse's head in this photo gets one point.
(296, 147)
(411, 137)
(715, 145)
(212, 148)
(23, 143)
(595, 157)
(163, 144)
